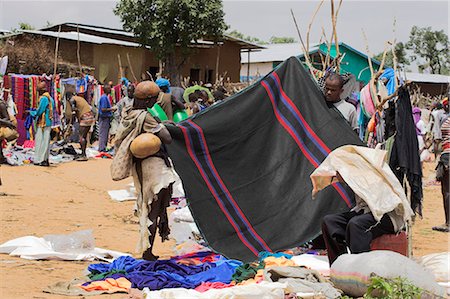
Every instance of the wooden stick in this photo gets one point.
(56, 52)
(394, 57)
(217, 61)
(310, 24)
(322, 60)
(333, 20)
(78, 51)
(380, 106)
(131, 68)
(369, 57)
(327, 57)
(308, 62)
(120, 66)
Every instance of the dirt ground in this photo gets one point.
(73, 196)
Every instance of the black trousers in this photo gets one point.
(446, 195)
(355, 230)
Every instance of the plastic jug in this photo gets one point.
(157, 111)
(179, 115)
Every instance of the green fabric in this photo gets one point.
(103, 275)
(389, 144)
(247, 271)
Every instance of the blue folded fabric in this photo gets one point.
(161, 274)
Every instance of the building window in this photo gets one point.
(209, 76)
(195, 76)
(153, 70)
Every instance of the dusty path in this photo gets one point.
(72, 197)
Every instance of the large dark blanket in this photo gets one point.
(245, 164)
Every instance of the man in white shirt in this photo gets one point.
(333, 89)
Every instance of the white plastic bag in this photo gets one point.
(81, 241)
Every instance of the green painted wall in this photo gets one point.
(353, 62)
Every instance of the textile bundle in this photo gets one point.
(245, 164)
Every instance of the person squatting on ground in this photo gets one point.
(104, 118)
(153, 175)
(83, 111)
(44, 116)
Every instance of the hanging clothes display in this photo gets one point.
(405, 160)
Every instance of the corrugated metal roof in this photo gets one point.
(87, 38)
(274, 52)
(425, 78)
(244, 44)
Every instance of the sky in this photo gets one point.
(261, 19)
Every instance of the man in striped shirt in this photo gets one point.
(442, 169)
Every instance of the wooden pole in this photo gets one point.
(327, 57)
(131, 68)
(120, 67)
(394, 57)
(310, 24)
(333, 22)
(56, 52)
(248, 67)
(369, 58)
(217, 62)
(78, 51)
(308, 62)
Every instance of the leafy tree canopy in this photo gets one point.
(400, 53)
(163, 24)
(430, 46)
(25, 26)
(272, 40)
(281, 40)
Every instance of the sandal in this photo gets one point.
(443, 228)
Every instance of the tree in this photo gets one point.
(400, 53)
(170, 26)
(432, 46)
(248, 38)
(25, 26)
(251, 39)
(22, 26)
(281, 40)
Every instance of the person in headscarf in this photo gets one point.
(44, 116)
(167, 102)
(153, 176)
